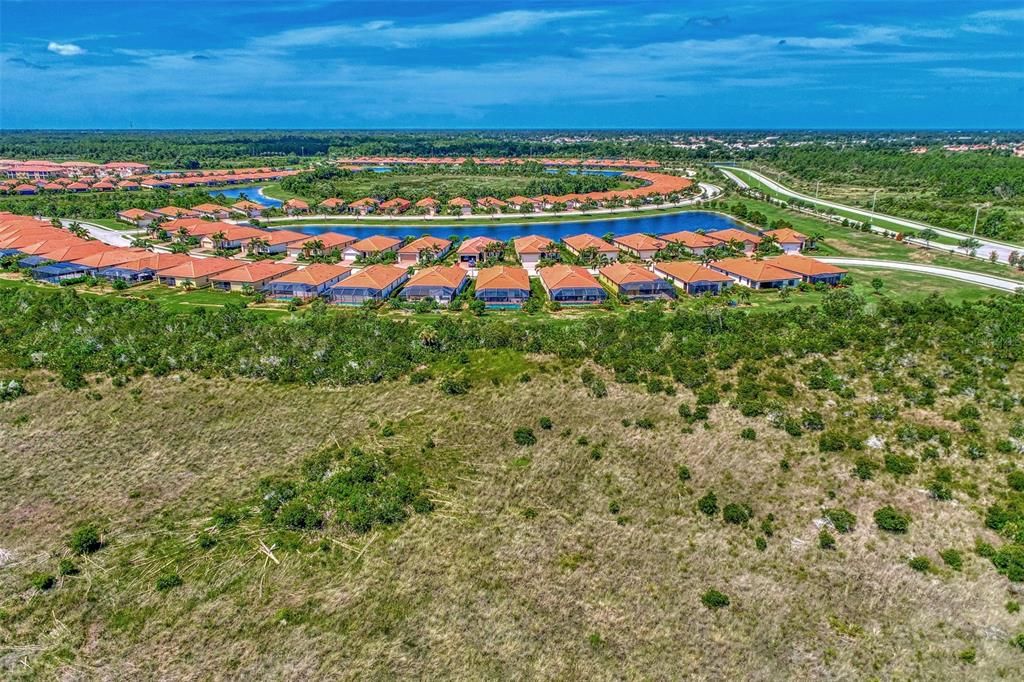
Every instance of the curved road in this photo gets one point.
(962, 275)
(1002, 249)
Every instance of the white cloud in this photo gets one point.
(65, 49)
(992, 22)
(390, 34)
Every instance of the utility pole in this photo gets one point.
(817, 184)
(977, 212)
(874, 197)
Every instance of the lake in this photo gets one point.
(253, 192)
(657, 224)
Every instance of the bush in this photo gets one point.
(826, 540)
(921, 564)
(892, 520)
(900, 465)
(683, 472)
(524, 436)
(85, 539)
(708, 504)
(713, 599)
(298, 515)
(1013, 606)
(645, 423)
(737, 513)
(842, 520)
(748, 434)
(546, 423)
(454, 385)
(952, 558)
(830, 441)
(1009, 560)
(761, 543)
(67, 567)
(42, 581)
(1015, 479)
(168, 581)
(864, 468)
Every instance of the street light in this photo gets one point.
(977, 212)
(874, 197)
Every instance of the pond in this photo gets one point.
(656, 224)
(252, 192)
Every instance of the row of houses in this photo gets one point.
(53, 178)
(42, 170)
(361, 161)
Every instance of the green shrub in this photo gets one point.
(546, 423)
(85, 539)
(67, 567)
(1013, 606)
(683, 472)
(1015, 479)
(684, 411)
(900, 465)
(748, 434)
(708, 504)
(826, 540)
(298, 515)
(1009, 560)
(168, 581)
(952, 558)
(768, 525)
(864, 468)
(892, 520)
(968, 655)
(761, 543)
(812, 421)
(940, 490)
(737, 513)
(614, 507)
(42, 581)
(524, 436)
(922, 564)
(1018, 641)
(713, 599)
(454, 385)
(841, 519)
(645, 423)
(830, 441)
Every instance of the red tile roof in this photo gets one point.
(375, 243)
(460, 202)
(625, 273)
(562, 276)
(397, 202)
(534, 244)
(374, 277)
(502, 277)
(425, 242)
(333, 202)
(296, 203)
(640, 242)
(785, 235)
(579, 242)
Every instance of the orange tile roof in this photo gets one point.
(245, 205)
(460, 201)
(533, 244)
(314, 274)
(425, 242)
(561, 276)
(174, 211)
(625, 273)
(375, 243)
(691, 240)
(211, 208)
(397, 202)
(520, 199)
(156, 261)
(731, 234)
(641, 242)
(688, 271)
(375, 277)
(111, 257)
(803, 265)
(426, 202)
(254, 272)
(235, 233)
(477, 245)
(578, 242)
(274, 237)
(332, 240)
(365, 201)
(785, 235)
(488, 202)
(296, 203)
(438, 275)
(198, 267)
(333, 202)
(753, 270)
(502, 277)
(69, 252)
(136, 213)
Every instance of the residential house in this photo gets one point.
(293, 206)
(693, 278)
(423, 250)
(249, 208)
(531, 249)
(396, 206)
(790, 241)
(571, 285)
(143, 269)
(476, 250)
(364, 205)
(462, 205)
(438, 282)
(195, 272)
(522, 204)
(736, 237)
(128, 185)
(695, 242)
(256, 276)
(428, 205)
(491, 204)
(374, 283)
(810, 270)
(370, 247)
(109, 258)
(332, 205)
(634, 281)
(322, 244)
(138, 217)
(231, 238)
(25, 189)
(175, 212)
(756, 274)
(310, 282)
(580, 243)
(503, 286)
(643, 246)
(273, 241)
(215, 211)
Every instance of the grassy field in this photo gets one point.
(582, 556)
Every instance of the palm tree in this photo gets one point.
(218, 238)
(311, 247)
(258, 244)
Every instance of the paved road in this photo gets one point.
(103, 234)
(1002, 249)
(962, 275)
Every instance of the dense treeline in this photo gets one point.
(97, 205)
(443, 183)
(937, 187)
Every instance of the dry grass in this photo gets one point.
(481, 587)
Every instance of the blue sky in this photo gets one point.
(550, 64)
